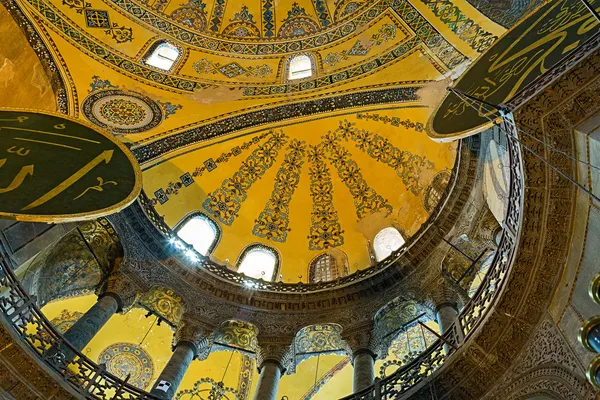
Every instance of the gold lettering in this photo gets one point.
(59, 126)
(21, 151)
(97, 187)
(18, 180)
(105, 156)
(19, 119)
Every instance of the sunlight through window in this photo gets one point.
(200, 232)
(387, 241)
(300, 67)
(163, 57)
(259, 262)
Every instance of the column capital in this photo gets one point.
(123, 289)
(196, 335)
(274, 349)
(360, 339)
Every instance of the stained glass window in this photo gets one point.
(259, 261)
(200, 232)
(323, 269)
(387, 241)
(163, 56)
(300, 67)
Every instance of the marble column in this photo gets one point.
(363, 361)
(273, 357)
(121, 294)
(192, 340)
(170, 378)
(446, 314)
(268, 381)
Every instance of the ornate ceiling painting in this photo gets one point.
(305, 166)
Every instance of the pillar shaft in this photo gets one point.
(364, 369)
(168, 382)
(268, 382)
(90, 323)
(446, 315)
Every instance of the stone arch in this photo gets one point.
(76, 264)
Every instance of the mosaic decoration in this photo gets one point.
(426, 34)
(396, 313)
(385, 33)
(231, 70)
(366, 200)
(208, 388)
(243, 25)
(324, 379)
(344, 8)
(273, 221)
(394, 121)
(268, 18)
(466, 29)
(507, 12)
(123, 111)
(408, 166)
(209, 165)
(165, 303)
(322, 12)
(325, 229)
(238, 335)
(297, 23)
(245, 377)
(225, 202)
(65, 320)
(159, 147)
(122, 359)
(408, 344)
(216, 19)
(323, 338)
(100, 19)
(192, 14)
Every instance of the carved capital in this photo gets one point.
(360, 339)
(275, 349)
(195, 334)
(124, 289)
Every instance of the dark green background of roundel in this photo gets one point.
(56, 155)
(559, 17)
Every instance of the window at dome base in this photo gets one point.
(387, 241)
(324, 268)
(259, 262)
(300, 67)
(200, 232)
(163, 56)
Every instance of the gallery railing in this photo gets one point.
(28, 324)
(419, 371)
(257, 284)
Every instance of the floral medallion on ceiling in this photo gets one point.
(128, 359)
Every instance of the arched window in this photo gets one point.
(387, 241)
(323, 269)
(163, 56)
(300, 66)
(199, 231)
(259, 261)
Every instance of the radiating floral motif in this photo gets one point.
(242, 25)
(236, 334)
(366, 199)
(164, 302)
(192, 14)
(325, 230)
(225, 202)
(410, 167)
(274, 219)
(127, 359)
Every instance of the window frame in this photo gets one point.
(200, 214)
(312, 268)
(288, 62)
(374, 244)
(154, 47)
(259, 246)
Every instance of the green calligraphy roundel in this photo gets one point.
(513, 65)
(56, 169)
